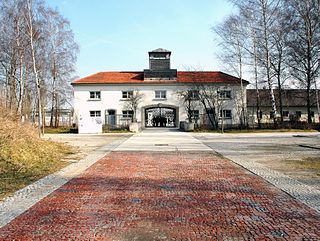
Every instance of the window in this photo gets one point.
(285, 113)
(95, 113)
(226, 114)
(127, 113)
(298, 114)
(209, 111)
(160, 94)
(95, 95)
(224, 94)
(194, 94)
(127, 94)
(312, 113)
(272, 114)
(159, 56)
(195, 114)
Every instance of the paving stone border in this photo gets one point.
(304, 193)
(25, 198)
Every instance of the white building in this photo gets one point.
(102, 99)
(294, 105)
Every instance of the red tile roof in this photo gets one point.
(137, 78)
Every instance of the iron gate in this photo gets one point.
(160, 117)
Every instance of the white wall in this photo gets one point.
(292, 111)
(111, 98)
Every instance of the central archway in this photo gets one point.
(160, 116)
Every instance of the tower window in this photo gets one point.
(159, 56)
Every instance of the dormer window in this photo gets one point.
(95, 95)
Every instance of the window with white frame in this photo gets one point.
(226, 114)
(312, 113)
(160, 94)
(272, 114)
(285, 113)
(95, 95)
(95, 113)
(298, 114)
(195, 114)
(210, 112)
(127, 94)
(224, 94)
(127, 114)
(193, 94)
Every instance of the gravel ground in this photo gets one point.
(86, 143)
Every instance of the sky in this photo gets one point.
(116, 35)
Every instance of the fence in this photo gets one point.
(117, 122)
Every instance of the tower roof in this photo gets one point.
(160, 50)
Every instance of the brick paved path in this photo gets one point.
(166, 196)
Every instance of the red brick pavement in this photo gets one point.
(166, 196)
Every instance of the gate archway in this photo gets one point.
(160, 116)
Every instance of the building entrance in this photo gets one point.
(160, 117)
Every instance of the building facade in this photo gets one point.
(294, 102)
(105, 99)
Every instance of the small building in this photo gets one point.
(294, 104)
(63, 117)
(102, 99)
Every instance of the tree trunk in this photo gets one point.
(35, 71)
(242, 114)
(53, 100)
(211, 118)
(280, 98)
(267, 59)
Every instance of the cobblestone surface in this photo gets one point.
(25, 198)
(247, 150)
(166, 196)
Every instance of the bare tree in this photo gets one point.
(37, 58)
(62, 52)
(132, 103)
(189, 99)
(233, 42)
(304, 45)
(33, 35)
